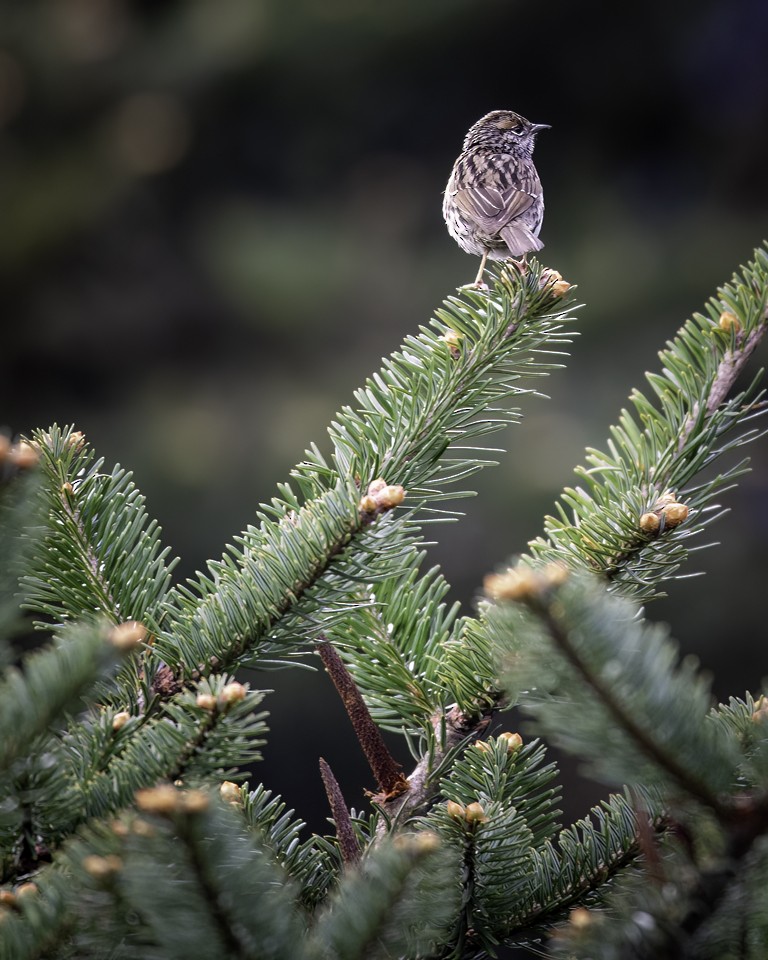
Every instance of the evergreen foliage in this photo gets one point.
(124, 831)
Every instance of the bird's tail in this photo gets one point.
(519, 239)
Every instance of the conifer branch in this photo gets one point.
(473, 854)
(450, 383)
(90, 563)
(99, 555)
(188, 832)
(551, 617)
(579, 864)
(54, 680)
(562, 638)
(615, 524)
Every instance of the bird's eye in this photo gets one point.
(510, 125)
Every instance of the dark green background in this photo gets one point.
(216, 217)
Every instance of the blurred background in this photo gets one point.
(216, 218)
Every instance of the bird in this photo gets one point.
(493, 204)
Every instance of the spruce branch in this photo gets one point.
(400, 901)
(193, 880)
(54, 682)
(337, 526)
(727, 373)
(604, 684)
(394, 644)
(576, 866)
(644, 473)
(338, 555)
(558, 628)
(615, 524)
(99, 555)
(210, 731)
(313, 863)
(697, 912)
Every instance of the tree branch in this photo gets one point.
(386, 770)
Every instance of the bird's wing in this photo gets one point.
(492, 202)
(491, 208)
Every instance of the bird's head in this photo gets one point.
(505, 131)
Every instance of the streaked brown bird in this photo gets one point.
(493, 204)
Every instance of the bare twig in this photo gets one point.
(387, 771)
(345, 832)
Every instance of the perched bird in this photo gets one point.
(493, 204)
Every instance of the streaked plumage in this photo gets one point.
(493, 204)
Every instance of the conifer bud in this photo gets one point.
(452, 340)
(511, 585)
(142, 828)
(232, 693)
(456, 810)
(206, 701)
(163, 799)
(120, 719)
(380, 497)
(514, 741)
(230, 792)
(674, 514)
(391, 496)
(127, 636)
(760, 712)
(68, 491)
(7, 898)
(376, 486)
(100, 868)
(475, 813)
(524, 583)
(649, 524)
(24, 455)
(729, 322)
(77, 440)
(26, 890)
(194, 801)
(580, 918)
(482, 745)
(553, 281)
(426, 841)
(452, 337)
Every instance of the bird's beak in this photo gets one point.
(540, 126)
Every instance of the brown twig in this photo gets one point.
(345, 833)
(387, 771)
